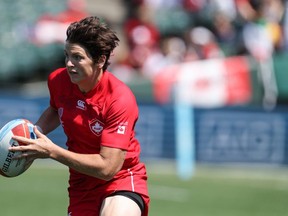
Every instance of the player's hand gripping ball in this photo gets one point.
(17, 127)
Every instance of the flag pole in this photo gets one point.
(184, 130)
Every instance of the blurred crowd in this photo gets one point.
(158, 33)
(154, 33)
(31, 37)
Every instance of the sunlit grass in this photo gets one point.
(212, 191)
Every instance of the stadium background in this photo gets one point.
(240, 121)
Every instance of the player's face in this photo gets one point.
(81, 67)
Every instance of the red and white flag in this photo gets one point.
(206, 83)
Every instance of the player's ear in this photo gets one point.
(101, 61)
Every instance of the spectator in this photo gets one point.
(142, 36)
(203, 42)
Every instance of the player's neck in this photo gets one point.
(89, 84)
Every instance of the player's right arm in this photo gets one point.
(48, 121)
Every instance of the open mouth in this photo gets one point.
(72, 72)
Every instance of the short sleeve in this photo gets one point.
(120, 120)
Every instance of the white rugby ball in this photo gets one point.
(18, 127)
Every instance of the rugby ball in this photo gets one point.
(17, 127)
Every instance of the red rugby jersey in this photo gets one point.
(104, 116)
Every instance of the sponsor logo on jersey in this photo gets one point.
(121, 128)
(96, 127)
(81, 105)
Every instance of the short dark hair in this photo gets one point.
(95, 35)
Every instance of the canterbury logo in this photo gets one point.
(81, 105)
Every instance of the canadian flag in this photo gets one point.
(121, 129)
(206, 83)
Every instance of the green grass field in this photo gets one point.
(213, 191)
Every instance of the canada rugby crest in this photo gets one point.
(96, 127)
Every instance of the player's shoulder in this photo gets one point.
(59, 79)
(59, 73)
(116, 85)
(119, 91)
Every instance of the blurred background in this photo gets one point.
(223, 64)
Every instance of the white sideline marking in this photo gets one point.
(168, 193)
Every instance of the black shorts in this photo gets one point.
(133, 196)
